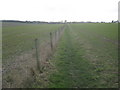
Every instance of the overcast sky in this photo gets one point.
(59, 10)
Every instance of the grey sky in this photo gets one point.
(58, 10)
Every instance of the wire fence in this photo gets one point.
(23, 65)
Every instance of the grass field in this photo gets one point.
(19, 37)
(86, 55)
(19, 51)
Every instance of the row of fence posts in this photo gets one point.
(57, 37)
(53, 36)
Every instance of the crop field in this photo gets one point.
(86, 55)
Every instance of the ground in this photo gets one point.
(86, 55)
(85, 59)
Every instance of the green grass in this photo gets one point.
(109, 30)
(71, 69)
(86, 56)
(19, 37)
(85, 59)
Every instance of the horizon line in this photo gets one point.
(54, 21)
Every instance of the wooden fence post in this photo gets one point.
(37, 54)
(51, 43)
(55, 37)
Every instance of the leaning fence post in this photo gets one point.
(51, 43)
(37, 54)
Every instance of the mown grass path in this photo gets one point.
(71, 70)
(85, 59)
